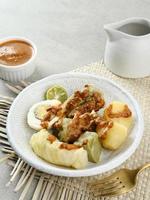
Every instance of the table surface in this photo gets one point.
(67, 34)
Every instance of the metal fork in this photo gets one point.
(118, 183)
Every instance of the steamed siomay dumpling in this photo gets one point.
(51, 152)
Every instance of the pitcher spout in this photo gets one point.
(131, 28)
(112, 33)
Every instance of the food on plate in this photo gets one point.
(39, 111)
(73, 131)
(63, 133)
(87, 100)
(119, 112)
(56, 92)
(56, 152)
(73, 128)
(112, 135)
(90, 142)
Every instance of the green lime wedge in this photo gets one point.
(56, 92)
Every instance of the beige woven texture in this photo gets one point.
(140, 89)
(62, 188)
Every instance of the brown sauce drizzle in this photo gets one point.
(69, 146)
(44, 124)
(47, 116)
(53, 111)
(125, 113)
(51, 138)
(104, 127)
(84, 101)
(85, 142)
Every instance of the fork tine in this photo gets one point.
(111, 192)
(106, 179)
(105, 186)
(105, 191)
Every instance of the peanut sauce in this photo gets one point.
(85, 142)
(84, 101)
(57, 111)
(125, 113)
(47, 116)
(44, 124)
(15, 52)
(105, 126)
(51, 138)
(69, 146)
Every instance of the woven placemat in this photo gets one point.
(140, 89)
(53, 187)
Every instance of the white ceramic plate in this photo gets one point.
(19, 133)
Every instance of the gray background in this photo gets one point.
(68, 33)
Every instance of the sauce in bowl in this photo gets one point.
(15, 52)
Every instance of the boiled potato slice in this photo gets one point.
(115, 136)
(51, 152)
(91, 144)
(121, 109)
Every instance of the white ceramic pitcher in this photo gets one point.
(127, 51)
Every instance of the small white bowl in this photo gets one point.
(22, 71)
(19, 133)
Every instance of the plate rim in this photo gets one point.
(80, 172)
